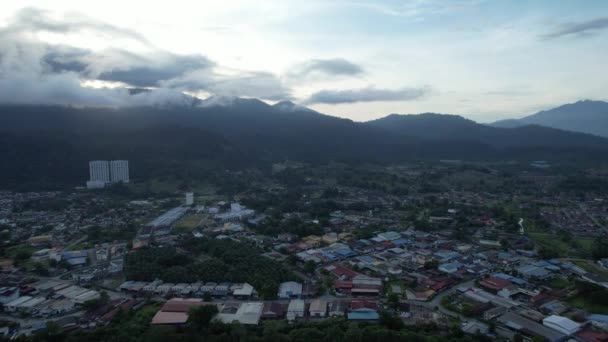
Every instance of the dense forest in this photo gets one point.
(208, 260)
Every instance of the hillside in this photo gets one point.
(454, 128)
(584, 116)
(52, 144)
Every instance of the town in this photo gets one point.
(394, 244)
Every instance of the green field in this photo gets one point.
(585, 243)
(581, 302)
(187, 224)
(552, 242)
(559, 283)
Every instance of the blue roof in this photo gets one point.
(510, 278)
(367, 259)
(345, 252)
(363, 314)
(400, 242)
(329, 256)
(598, 318)
(542, 263)
(74, 254)
(77, 261)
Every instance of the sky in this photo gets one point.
(360, 59)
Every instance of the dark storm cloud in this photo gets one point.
(324, 68)
(369, 94)
(578, 29)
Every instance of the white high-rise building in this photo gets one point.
(119, 171)
(189, 198)
(99, 171)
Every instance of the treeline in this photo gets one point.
(274, 227)
(208, 260)
(134, 327)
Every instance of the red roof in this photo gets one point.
(343, 284)
(592, 336)
(495, 283)
(341, 271)
(181, 305)
(162, 317)
(360, 304)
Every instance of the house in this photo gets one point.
(450, 268)
(295, 309)
(363, 310)
(246, 314)
(337, 308)
(364, 285)
(318, 308)
(175, 311)
(389, 236)
(273, 310)
(8, 294)
(494, 284)
(290, 289)
(244, 291)
(562, 324)
(528, 327)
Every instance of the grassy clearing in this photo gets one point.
(559, 283)
(581, 302)
(187, 224)
(585, 243)
(551, 242)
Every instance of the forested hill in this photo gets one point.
(52, 144)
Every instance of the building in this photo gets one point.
(562, 324)
(295, 309)
(290, 289)
(246, 314)
(99, 174)
(318, 308)
(530, 328)
(175, 311)
(8, 294)
(189, 198)
(119, 171)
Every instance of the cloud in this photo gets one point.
(37, 20)
(581, 28)
(368, 94)
(261, 85)
(35, 72)
(324, 67)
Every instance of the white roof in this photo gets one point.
(245, 290)
(562, 324)
(19, 301)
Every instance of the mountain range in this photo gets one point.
(53, 144)
(584, 116)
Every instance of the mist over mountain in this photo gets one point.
(54, 143)
(583, 116)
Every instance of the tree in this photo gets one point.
(353, 333)
(393, 300)
(431, 264)
(600, 248)
(200, 316)
(310, 266)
